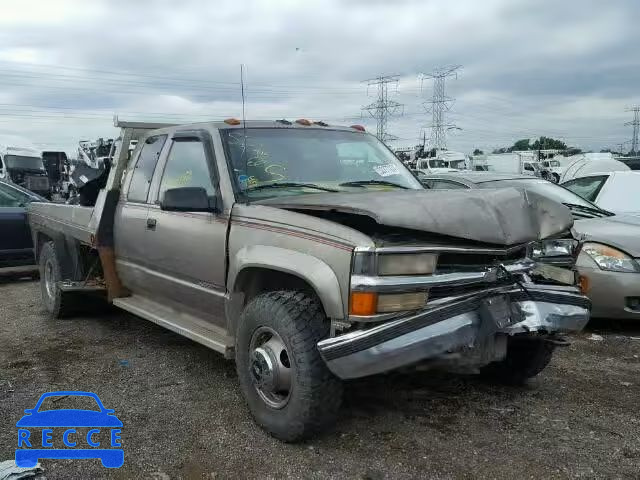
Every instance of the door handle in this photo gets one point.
(151, 223)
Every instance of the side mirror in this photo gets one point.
(187, 199)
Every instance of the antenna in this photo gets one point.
(244, 130)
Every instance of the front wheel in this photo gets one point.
(525, 359)
(288, 388)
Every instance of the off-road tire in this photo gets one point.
(316, 394)
(59, 304)
(525, 359)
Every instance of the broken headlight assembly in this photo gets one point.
(610, 259)
(553, 247)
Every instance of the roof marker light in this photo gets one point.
(232, 121)
(360, 128)
(322, 124)
(303, 121)
(284, 122)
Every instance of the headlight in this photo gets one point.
(407, 264)
(552, 247)
(609, 258)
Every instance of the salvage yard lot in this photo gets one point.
(184, 417)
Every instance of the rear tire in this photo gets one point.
(58, 303)
(525, 359)
(288, 388)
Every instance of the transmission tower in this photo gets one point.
(383, 108)
(439, 104)
(635, 123)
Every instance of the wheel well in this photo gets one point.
(254, 281)
(76, 259)
(41, 239)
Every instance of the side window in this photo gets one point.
(1, 164)
(528, 167)
(186, 167)
(445, 185)
(587, 187)
(143, 171)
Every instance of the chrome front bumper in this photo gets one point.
(456, 325)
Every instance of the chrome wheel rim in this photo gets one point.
(49, 279)
(270, 367)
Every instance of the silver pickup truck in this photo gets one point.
(310, 255)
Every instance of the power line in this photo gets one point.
(635, 123)
(439, 104)
(383, 108)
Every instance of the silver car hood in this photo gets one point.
(505, 216)
(620, 231)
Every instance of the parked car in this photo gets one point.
(610, 256)
(310, 254)
(617, 192)
(16, 247)
(588, 163)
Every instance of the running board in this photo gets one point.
(182, 323)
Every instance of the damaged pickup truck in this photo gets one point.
(309, 254)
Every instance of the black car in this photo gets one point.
(16, 247)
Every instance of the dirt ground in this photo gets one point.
(184, 418)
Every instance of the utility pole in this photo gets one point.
(383, 108)
(439, 104)
(620, 149)
(635, 123)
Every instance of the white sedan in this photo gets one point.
(617, 192)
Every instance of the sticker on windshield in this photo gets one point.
(387, 170)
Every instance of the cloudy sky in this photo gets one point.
(566, 69)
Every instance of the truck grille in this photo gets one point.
(458, 261)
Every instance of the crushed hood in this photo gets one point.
(620, 231)
(503, 216)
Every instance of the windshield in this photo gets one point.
(295, 161)
(27, 163)
(543, 187)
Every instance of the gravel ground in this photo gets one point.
(184, 418)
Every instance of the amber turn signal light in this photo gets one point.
(583, 283)
(363, 303)
(232, 121)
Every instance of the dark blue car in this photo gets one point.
(34, 445)
(16, 247)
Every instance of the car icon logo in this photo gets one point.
(84, 433)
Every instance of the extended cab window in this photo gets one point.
(186, 167)
(143, 171)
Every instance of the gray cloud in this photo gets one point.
(530, 68)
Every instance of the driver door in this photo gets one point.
(186, 251)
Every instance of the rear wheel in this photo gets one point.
(525, 359)
(288, 388)
(58, 303)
